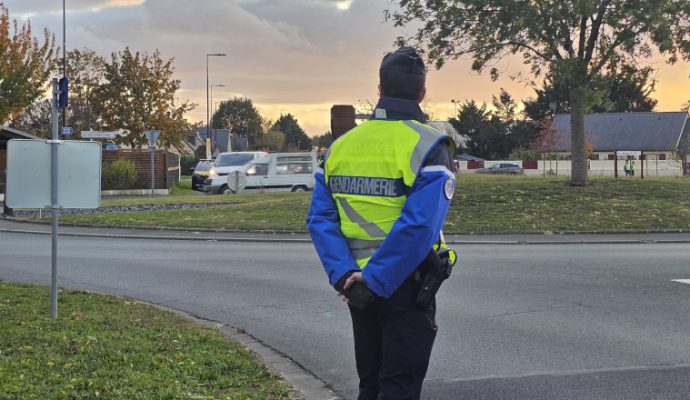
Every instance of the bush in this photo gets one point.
(119, 175)
(521, 153)
(187, 162)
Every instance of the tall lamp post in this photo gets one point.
(208, 117)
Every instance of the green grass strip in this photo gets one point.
(504, 204)
(103, 347)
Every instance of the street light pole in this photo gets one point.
(208, 118)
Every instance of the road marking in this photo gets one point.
(681, 281)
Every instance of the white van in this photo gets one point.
(234, 161)
(275, 172)
(281, 172)
(226, 163)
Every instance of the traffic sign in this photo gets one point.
(66, 130)
(98, 134)
(152, 136)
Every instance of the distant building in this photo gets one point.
(222, 140)
(659, 135)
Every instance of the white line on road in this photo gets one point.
(681, 281)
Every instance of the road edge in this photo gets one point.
(302, 381)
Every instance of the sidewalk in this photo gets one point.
(9, 225)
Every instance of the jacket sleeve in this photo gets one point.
(415, 232)
(323, 223)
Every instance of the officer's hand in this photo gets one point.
(343, 297)
(355, 277)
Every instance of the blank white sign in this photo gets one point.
(28, 174)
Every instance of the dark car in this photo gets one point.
(200, 173)
(502, 168)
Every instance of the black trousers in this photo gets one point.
(393, 341)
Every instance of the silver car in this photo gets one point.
(502, 168)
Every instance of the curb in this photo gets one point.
(268, 239)
(303, 382)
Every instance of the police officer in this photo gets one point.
(378, 207)
(632, 167)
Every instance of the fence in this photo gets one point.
(652, 168)
(166, 166)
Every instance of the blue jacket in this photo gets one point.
(412, 235)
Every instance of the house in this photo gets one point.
(657, 135)
(222, 140)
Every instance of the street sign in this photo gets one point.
(29, 174)
(152, 136)
(66, 131)
(98, 134)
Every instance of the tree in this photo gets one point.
(572, 40)
(494, 134)
(239, 116)
(625, 89)
(36, 119)
(86, 71)
(295, 137)
(486, 134)
(273, 140)
(138, 94)
(323, 141)
(25, 65)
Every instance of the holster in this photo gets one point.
(435, 268)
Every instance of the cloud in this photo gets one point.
(34, 7)
(298, 56)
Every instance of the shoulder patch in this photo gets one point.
(449, 188)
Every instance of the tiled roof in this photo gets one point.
(635, 131)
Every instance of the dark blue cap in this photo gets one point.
(405, 60)
(402, 74)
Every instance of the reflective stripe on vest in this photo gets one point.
(369, 227)
(362, 249)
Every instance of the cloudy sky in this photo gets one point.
(288, 56)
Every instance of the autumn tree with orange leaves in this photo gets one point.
(25, 64)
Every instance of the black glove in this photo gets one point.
(358, 294)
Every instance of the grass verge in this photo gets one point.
(506, 204)
(111, 348)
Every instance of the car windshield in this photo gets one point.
(231, 160)
(202, 166)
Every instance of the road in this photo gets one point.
(560, 321)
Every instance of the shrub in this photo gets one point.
(187, 162)
(119, 175)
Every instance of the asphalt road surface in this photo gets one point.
(582, 321)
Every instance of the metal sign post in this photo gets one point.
(54, 207)
(38, 178)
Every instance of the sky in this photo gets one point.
(287, 56)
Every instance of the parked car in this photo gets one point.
(502, 168)
(275, 173)
(200, 173)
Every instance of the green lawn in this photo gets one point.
(481, 204)
(104, 347)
